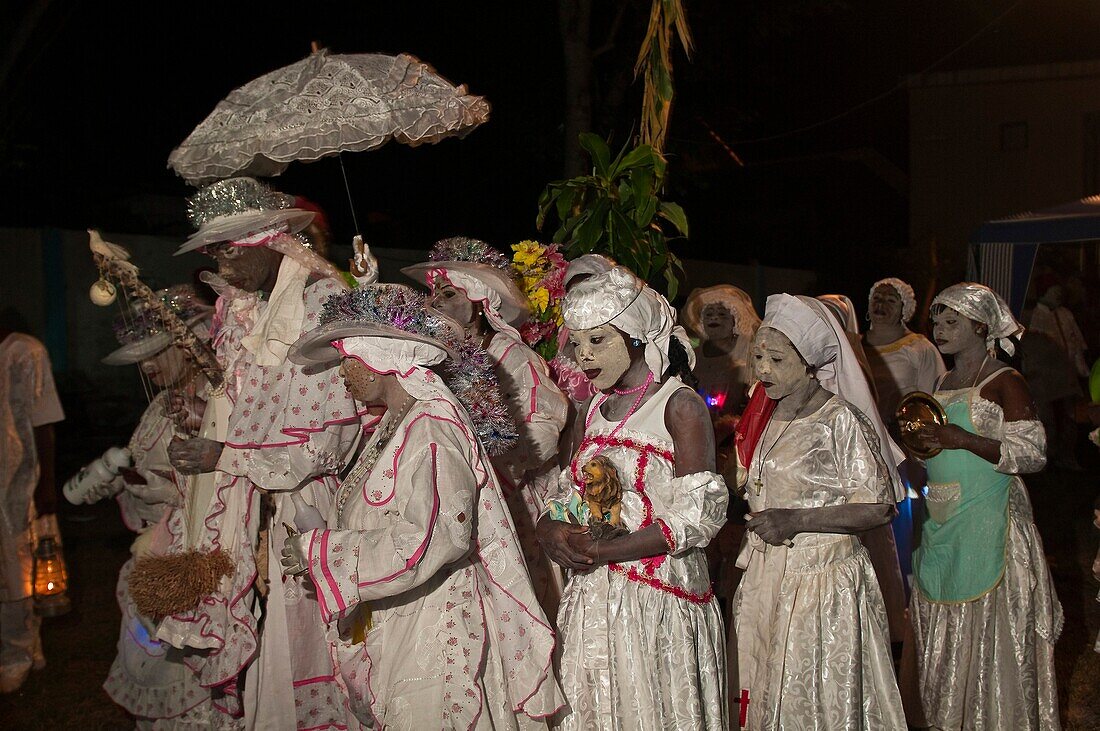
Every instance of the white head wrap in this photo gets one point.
(737, 301)
(586, 264)
(619, 298)
(409, 360)
(844, 308)
(981, 304)
(476, 291)
(908, 299)
(818, 337)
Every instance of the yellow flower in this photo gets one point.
(527, 253)
(540, 298)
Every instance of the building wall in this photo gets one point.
(990, 143)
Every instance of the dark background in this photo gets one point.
(95, 95)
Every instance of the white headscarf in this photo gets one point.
(409, 360)
(981, 304)
(619, 298)
(586, 264)
(818, 337)
(844, 308)
(908, 299)
(476, 291)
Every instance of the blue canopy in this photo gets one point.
(1002, 252)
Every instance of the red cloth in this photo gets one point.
(752, 424)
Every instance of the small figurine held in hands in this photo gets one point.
(603, 491)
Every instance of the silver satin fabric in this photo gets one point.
(989, 663)
(633, 656)
(813, 644)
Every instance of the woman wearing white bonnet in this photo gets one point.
(901, 360)
(641, 641)
(984, 612)
(812, 638)
(724, 320)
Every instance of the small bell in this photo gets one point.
(103, 292)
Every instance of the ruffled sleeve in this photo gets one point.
(692, 511)
(434, 493)
(1023, 448)
(536, 403)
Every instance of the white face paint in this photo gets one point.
(777, 364)
(717, 322)
(953, 332)
(168, 367)
(602, 354)
(886, 306)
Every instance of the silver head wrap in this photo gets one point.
(735, 300)
(908, 299)
(821, 342)
(981, 304)
(617, 297)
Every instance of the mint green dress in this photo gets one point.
(984, 611)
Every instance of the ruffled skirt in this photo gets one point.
(635, 657)
(989, 663)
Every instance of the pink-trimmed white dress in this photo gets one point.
(528, 470)
(642, 644)
(424, 547)
(149, 678)
(283, 426)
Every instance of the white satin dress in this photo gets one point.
(812, 638)
(642, 645)
(989, 663)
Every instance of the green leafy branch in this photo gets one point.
(616, 211)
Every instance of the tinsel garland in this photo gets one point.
(470, 375)
(462, 248)
(472, 378)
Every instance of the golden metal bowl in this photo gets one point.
(918, 409)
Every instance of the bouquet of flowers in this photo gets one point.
(540, 270)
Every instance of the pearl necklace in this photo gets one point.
(370, 456)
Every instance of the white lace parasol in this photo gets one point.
(323, 105)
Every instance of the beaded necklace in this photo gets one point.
(640, 390)
(370, 455)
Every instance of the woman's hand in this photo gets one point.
(942, 436)
(566, 544)
(776, 526)
(195, 455)
(186, 410)
(295, 558)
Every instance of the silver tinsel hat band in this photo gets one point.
(234, 196)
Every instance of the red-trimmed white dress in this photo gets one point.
(424, 547)
(642, 644)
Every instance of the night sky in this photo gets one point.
(95, 95)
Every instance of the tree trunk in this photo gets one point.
(574, 19)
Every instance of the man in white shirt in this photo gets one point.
(28, 409)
